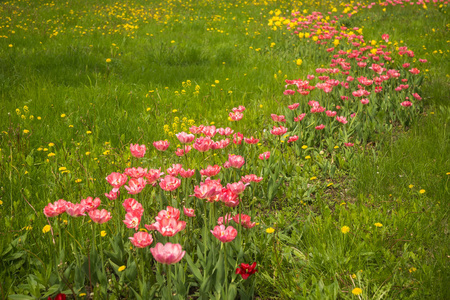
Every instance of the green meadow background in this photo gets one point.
(81, 80)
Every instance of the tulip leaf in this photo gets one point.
(194, 268)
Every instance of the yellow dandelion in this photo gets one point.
(88, 132)
(410, 186)
(307, 157)
(121, 268)
(78, 180)
(108, 60)
(46, 228)
(357, 291)
(304, 147)
(345, 229)
(270, 230)
(422, 191)
(103, 233)
(63, 115)
(51, 154)
(26, 131)
(378, 225)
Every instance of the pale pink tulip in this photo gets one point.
(265, 155)
(137, 151)
(185, 138)
(210, 171)
(245, 220)
(131, 205)
(141, 239)
(75, 210)
(55, 209)
(167, 254)
(136, 185)
(170, 183)
(224, 235)
(100, 216)
(161, 145)
(236, 161)
(90, 204)
(135, 172)
(116, 180)
(132, 219)
(189, 212)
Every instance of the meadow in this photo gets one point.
(224, 149)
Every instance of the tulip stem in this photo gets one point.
(169, 282)
(226, 269)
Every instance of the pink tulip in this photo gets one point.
(209, 131)
(75, 210)
(220, 144)
(141, 239)
(167, 254)
(136, 185)
(112, 195)
(168, 226)
(251, 140)
(236, 161)
(203, 144)
(116, 180)
(320, 127)
(349, 144)
(211, 171)
(342, 120)
(132, 219)
(175, 170)
(236, 116)
(224, 220)
(225, 131)
(406, 104)
(245, 221)
(293, 106)
(279, 118)
(90, 204)
(189, 212)
(238, 109)
(169, 212)
(292, 139)
(135, 172)
(55, 209)
(229, 198)
(300, 117)
(187, 173)
(237, 187)
(251, 178)
(237, 138)
(365, 101)
(161, 145)
(131, 205)
(170, 183)
(137, 151)
(185, 138)
(100, 216)
(224, 235)
(196, 130)
(265, 155)
(207, 189)
(278, 130)
(330, 113)
(153, 175)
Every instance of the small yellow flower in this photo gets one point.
(216, 81)
(46, 228)
(304, 147)
(82, 294)
(103, 233)
(336, 147)
(422, 191)
(26, 131)
(299, 62)
(174, 111)
(70, 126)
(270, 230)
(412, 269)
(148, 108)
(108, 60)
(121, 268)
(345, 229)
(312, 178)
(51, 154)
(63, 115)
(410, 186)
(51, 144)
(88, 153)
(88, 132)
(1, 202)
(260, 106)
(378, 225)
(307, 157)
(343, 203)
(357, 291)
(353, 276)
(330, 184)
(62, 169)
(78, 180)
(29, 227)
